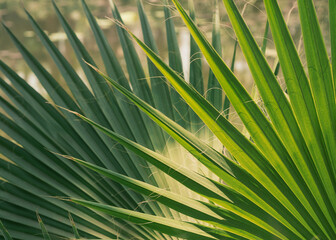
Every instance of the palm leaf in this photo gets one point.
(147, 145)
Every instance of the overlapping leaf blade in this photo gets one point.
(302, 99)
(285, 123)
(204, 154)
(320, 76)
(197, 183)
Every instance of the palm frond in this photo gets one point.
(138, 153)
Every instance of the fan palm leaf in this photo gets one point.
(132, 158)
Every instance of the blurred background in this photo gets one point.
(12, 14)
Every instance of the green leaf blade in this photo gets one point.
(4, 232)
